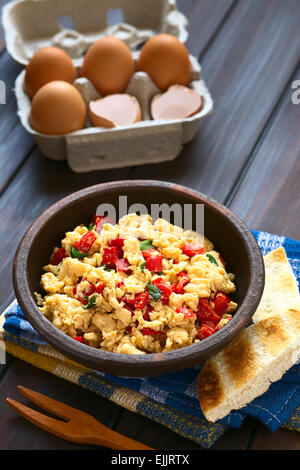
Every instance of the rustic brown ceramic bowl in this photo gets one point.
(228, 233)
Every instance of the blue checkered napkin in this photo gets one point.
(179, 390)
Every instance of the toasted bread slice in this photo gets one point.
(261, 353)
(281, 288)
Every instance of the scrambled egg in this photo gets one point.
(136, 287)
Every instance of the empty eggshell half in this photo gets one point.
(115, 110)
(179, 102)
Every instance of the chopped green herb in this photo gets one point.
(211, 259)
(154, 291)
(106, 268)
(77, 254)
(143, 266)
(91, 227)
(92, 302)
(146, 245)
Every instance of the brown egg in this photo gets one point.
(48, 64)
(178, 102)
(108, 64)
(166, 60)
(58, 108)
(115, 110)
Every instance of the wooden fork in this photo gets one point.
(78, 425)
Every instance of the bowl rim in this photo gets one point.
(106, 361)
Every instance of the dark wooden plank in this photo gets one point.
(246, 67)
(4, 367)
(16, 143)
(283, 440)
(16, 433)
(272, 180)
(237, 439)
(205, 18)
(159, 437)
(2, 42)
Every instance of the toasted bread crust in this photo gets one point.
(210, 388)
(240, 360)
(277, 255)
(294, 319)
(272, 335)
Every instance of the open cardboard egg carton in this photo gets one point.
(73, 25)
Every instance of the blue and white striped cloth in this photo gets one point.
(179, 390)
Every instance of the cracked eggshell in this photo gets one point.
(119, 109)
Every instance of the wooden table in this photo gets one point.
(246, 155)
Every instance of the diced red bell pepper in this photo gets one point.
(82, 300)
(223, 261)
(206, 313)
(99, 288)
(129, 308)
(81, 339)
(204, 332)
(147, 253)
(120, 284)
(153, 260)
(58, 256)
(128, 304)
(110, 256)
(129, 329)
(123, 265)
(141, 300)
(192, 249)
(89, 290)
(146, 315)
(96, 218)
(86, 242)
(100, 221)
(154, 263)
(165, 289)
(150, 332)
(187, 312)
(221, 302)
(127, 300)
(183, 280)
(118, 243)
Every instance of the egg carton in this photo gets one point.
(32, 24)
